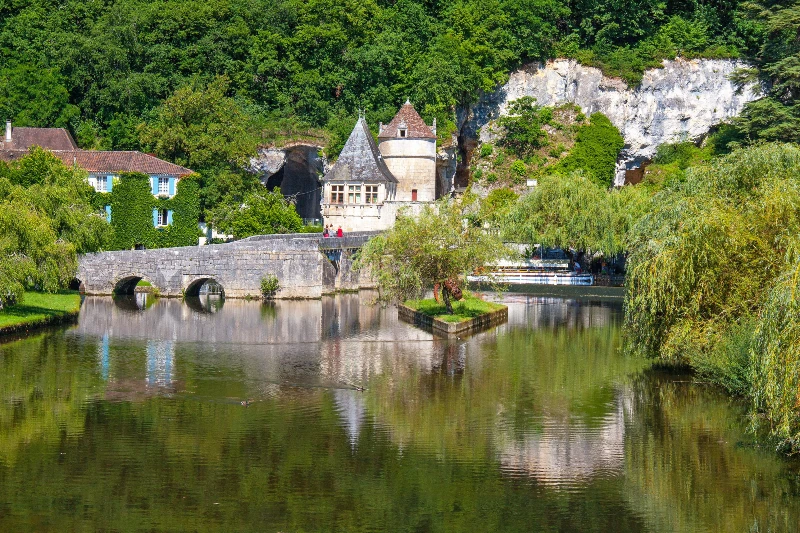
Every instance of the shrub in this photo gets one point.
(518, 168)
(269, 285)
(523, 126)
(486, 150)
(596, 150)
(556, 151)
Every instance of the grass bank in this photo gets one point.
(39, 309)
(470, 307)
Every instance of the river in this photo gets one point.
(332, 415)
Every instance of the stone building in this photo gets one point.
(370, 183)
(408, 147)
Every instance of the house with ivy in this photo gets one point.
(143, 212)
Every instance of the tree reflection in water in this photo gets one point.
(253, 418)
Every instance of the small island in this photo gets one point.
(470, 313)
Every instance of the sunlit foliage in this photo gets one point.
(428, 248)
(573, 211)
(259, 213)
(713, 261)
(46, 219)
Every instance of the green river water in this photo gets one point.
(332, 415)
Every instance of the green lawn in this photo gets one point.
(144, 283)
(38, 307)
(469, 307)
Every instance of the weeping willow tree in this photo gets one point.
(776, 360)
(436, 246)
(707, 283)
(573, 211)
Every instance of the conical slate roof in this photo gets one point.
(360, 159)
(409, 119)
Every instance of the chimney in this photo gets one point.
(434, 126)
(8, 131)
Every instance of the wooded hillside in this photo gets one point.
(101, 66)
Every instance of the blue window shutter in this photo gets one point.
(155, 218)
(169, 217)
(154, 181)
(172, 186)
(108, 213)
(109, 183)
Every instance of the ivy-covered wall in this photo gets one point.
(132, 212)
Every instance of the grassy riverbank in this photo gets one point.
(39, 309)
(469, 307)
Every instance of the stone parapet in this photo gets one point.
(301, 262)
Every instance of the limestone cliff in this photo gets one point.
(678, 102)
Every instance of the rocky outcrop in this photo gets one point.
(678, 102)
(267, 162)
(446, 165)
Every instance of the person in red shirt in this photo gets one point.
(339, 232)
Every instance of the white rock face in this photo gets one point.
(267, 162)
(678, 102)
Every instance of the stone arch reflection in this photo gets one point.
(135, 302)
(205, 303)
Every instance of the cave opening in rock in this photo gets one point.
(299, 178)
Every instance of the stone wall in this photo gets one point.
(413, 163)
(295, 259)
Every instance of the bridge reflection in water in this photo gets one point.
(307, 410)
(343, 343)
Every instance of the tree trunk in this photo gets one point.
(446, 298)
(436, 292)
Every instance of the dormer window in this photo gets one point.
(402, 132)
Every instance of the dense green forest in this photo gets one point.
(101, 67)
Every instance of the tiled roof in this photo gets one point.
(49, 138)
(360, 159)
(118, 161)
(409, 119)
(111, 162)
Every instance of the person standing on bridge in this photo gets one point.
(339, 232)
(326, 233)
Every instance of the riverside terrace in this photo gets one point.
(307, 266)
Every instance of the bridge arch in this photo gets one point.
(193, 288)
(127, 284)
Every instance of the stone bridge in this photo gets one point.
(307, 266)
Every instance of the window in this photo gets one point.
(371, 194)
(163, 186)
(413, 195)
(101, 184)
(337, 194)
(354, 194)
(402, 132)
(163, 217)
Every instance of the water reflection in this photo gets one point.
(288, 415)
(205, 303)
(138, 301)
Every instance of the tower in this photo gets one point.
(408, 147)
